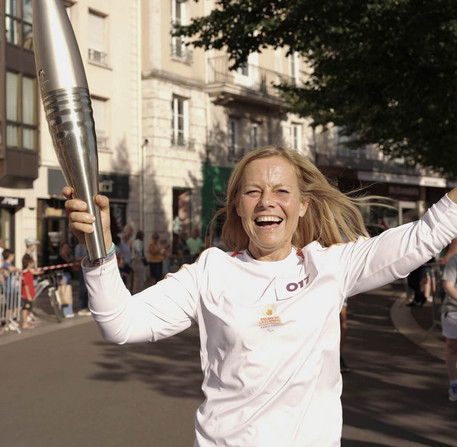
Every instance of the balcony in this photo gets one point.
(250, 84)
(98, 57)
(181, 52)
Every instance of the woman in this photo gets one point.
(155, 259)
(268, 313)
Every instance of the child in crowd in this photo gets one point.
(28, 291)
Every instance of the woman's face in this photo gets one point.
(270, 206)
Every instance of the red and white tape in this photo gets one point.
(57, 266)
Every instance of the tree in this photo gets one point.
(383, 70)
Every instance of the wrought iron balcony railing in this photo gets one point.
(250, 76)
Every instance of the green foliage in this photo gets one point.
(384, 70)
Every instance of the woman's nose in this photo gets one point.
(266, 199)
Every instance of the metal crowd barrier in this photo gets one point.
(10, 300)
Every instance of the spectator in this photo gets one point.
(65, 289)
(28, 291)
(155, 259)
(31, 244)
(2, 247)
(450, 250)
(449, 323)
(195, 244)
(10, 289)
(183, 248)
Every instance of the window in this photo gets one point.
(21, 119)
(232, 136)
(294, 64)
(295, 136)
(178, 16)
(18, 23)
(99, 112)
(255, 137)
(180, 121)
(97, 40)
(248, 75)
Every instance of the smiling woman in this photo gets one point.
(329, 215)
(270, 205)
(268, 312)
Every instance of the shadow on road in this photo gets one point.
(170, 366)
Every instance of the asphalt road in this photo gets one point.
(62, 385)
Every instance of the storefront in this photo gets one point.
(52, 218)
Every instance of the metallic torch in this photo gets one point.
(67, 105)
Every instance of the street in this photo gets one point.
(62, 385)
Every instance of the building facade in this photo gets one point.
(171, 122)
(31, 203)
(199, 118)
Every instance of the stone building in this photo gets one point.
(171, 122)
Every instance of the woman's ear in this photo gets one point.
(303, 208)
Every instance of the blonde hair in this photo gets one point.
(331, 217)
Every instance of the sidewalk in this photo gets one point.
(421, 325)
(47, 318)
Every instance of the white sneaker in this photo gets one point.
(453, 392)
(70, 316)
(84, 312)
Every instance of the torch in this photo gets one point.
(67, 106)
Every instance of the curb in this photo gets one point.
(406, 325)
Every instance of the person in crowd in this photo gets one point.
(450, 250)
(155, 259)
(138, 263)
(80, 253)
(449, 323)
(31, 244)
(195, 244)
(268, 310)
(28, 291)
(2, 247)
(183, 248)
(213, 240)
(65, 288)
(10, 289)
(416, 282)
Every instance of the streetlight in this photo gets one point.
(145, 143)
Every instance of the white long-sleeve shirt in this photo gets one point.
(269, 331)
